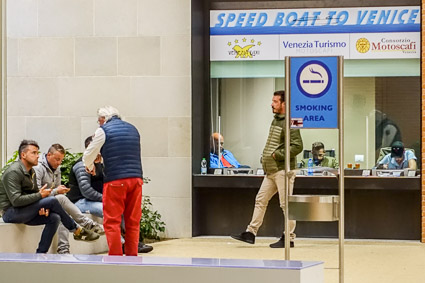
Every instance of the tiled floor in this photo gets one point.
(365, 261)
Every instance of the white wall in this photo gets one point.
(66, 58)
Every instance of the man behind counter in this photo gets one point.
(399, 158)
(227, 158)
(319, 158)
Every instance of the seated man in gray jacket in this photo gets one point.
(48, 172)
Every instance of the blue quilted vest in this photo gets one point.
(121, 151)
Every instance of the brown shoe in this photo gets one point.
(85, 235)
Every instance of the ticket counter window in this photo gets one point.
(381, 105)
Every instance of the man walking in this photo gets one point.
(273, 161)
(119, 144)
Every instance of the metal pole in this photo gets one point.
(3, 88)
(219, 142)
(341, 168)
(287, 157)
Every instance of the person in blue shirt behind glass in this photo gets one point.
(399, 158)
(227, 158)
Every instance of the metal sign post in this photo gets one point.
(341, 170)
(287, 160)
(314, 100)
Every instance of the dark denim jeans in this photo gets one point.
(29, 215)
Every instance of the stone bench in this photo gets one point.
(21, 238)
(155, 269)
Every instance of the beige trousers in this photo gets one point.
(272, 184)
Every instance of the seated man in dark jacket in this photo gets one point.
(87, 190)
(21, 201)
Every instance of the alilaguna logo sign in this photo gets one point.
(244, 48)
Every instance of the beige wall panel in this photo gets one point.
(96, 56)
(176, 213)
(32, 97)
(359, 120)
(49, 130)
(83, 96)
(175, 52)
(165, 17)
(170, 177)
(67, 58)
(16, 132)
(160, 97)
(115, 17)
(12, 57)
(179, 137)
(65, 17)
(46, 57)
(21, 18)
(154, 135)
(139, 56)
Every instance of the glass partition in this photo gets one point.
(381, 105)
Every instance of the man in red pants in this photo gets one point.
(119, 144)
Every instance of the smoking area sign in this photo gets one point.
(313, 92)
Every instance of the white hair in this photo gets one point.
(108, 112)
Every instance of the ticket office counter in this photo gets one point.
(375, 207)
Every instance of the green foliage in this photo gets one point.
(150, 224)
(68, 161)
(10, 161)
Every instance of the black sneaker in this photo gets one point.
(281, 243)
(142, 248)
(246, 237)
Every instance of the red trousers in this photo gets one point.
(122, 197)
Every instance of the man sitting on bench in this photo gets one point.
(21, 201)
(48, 173)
